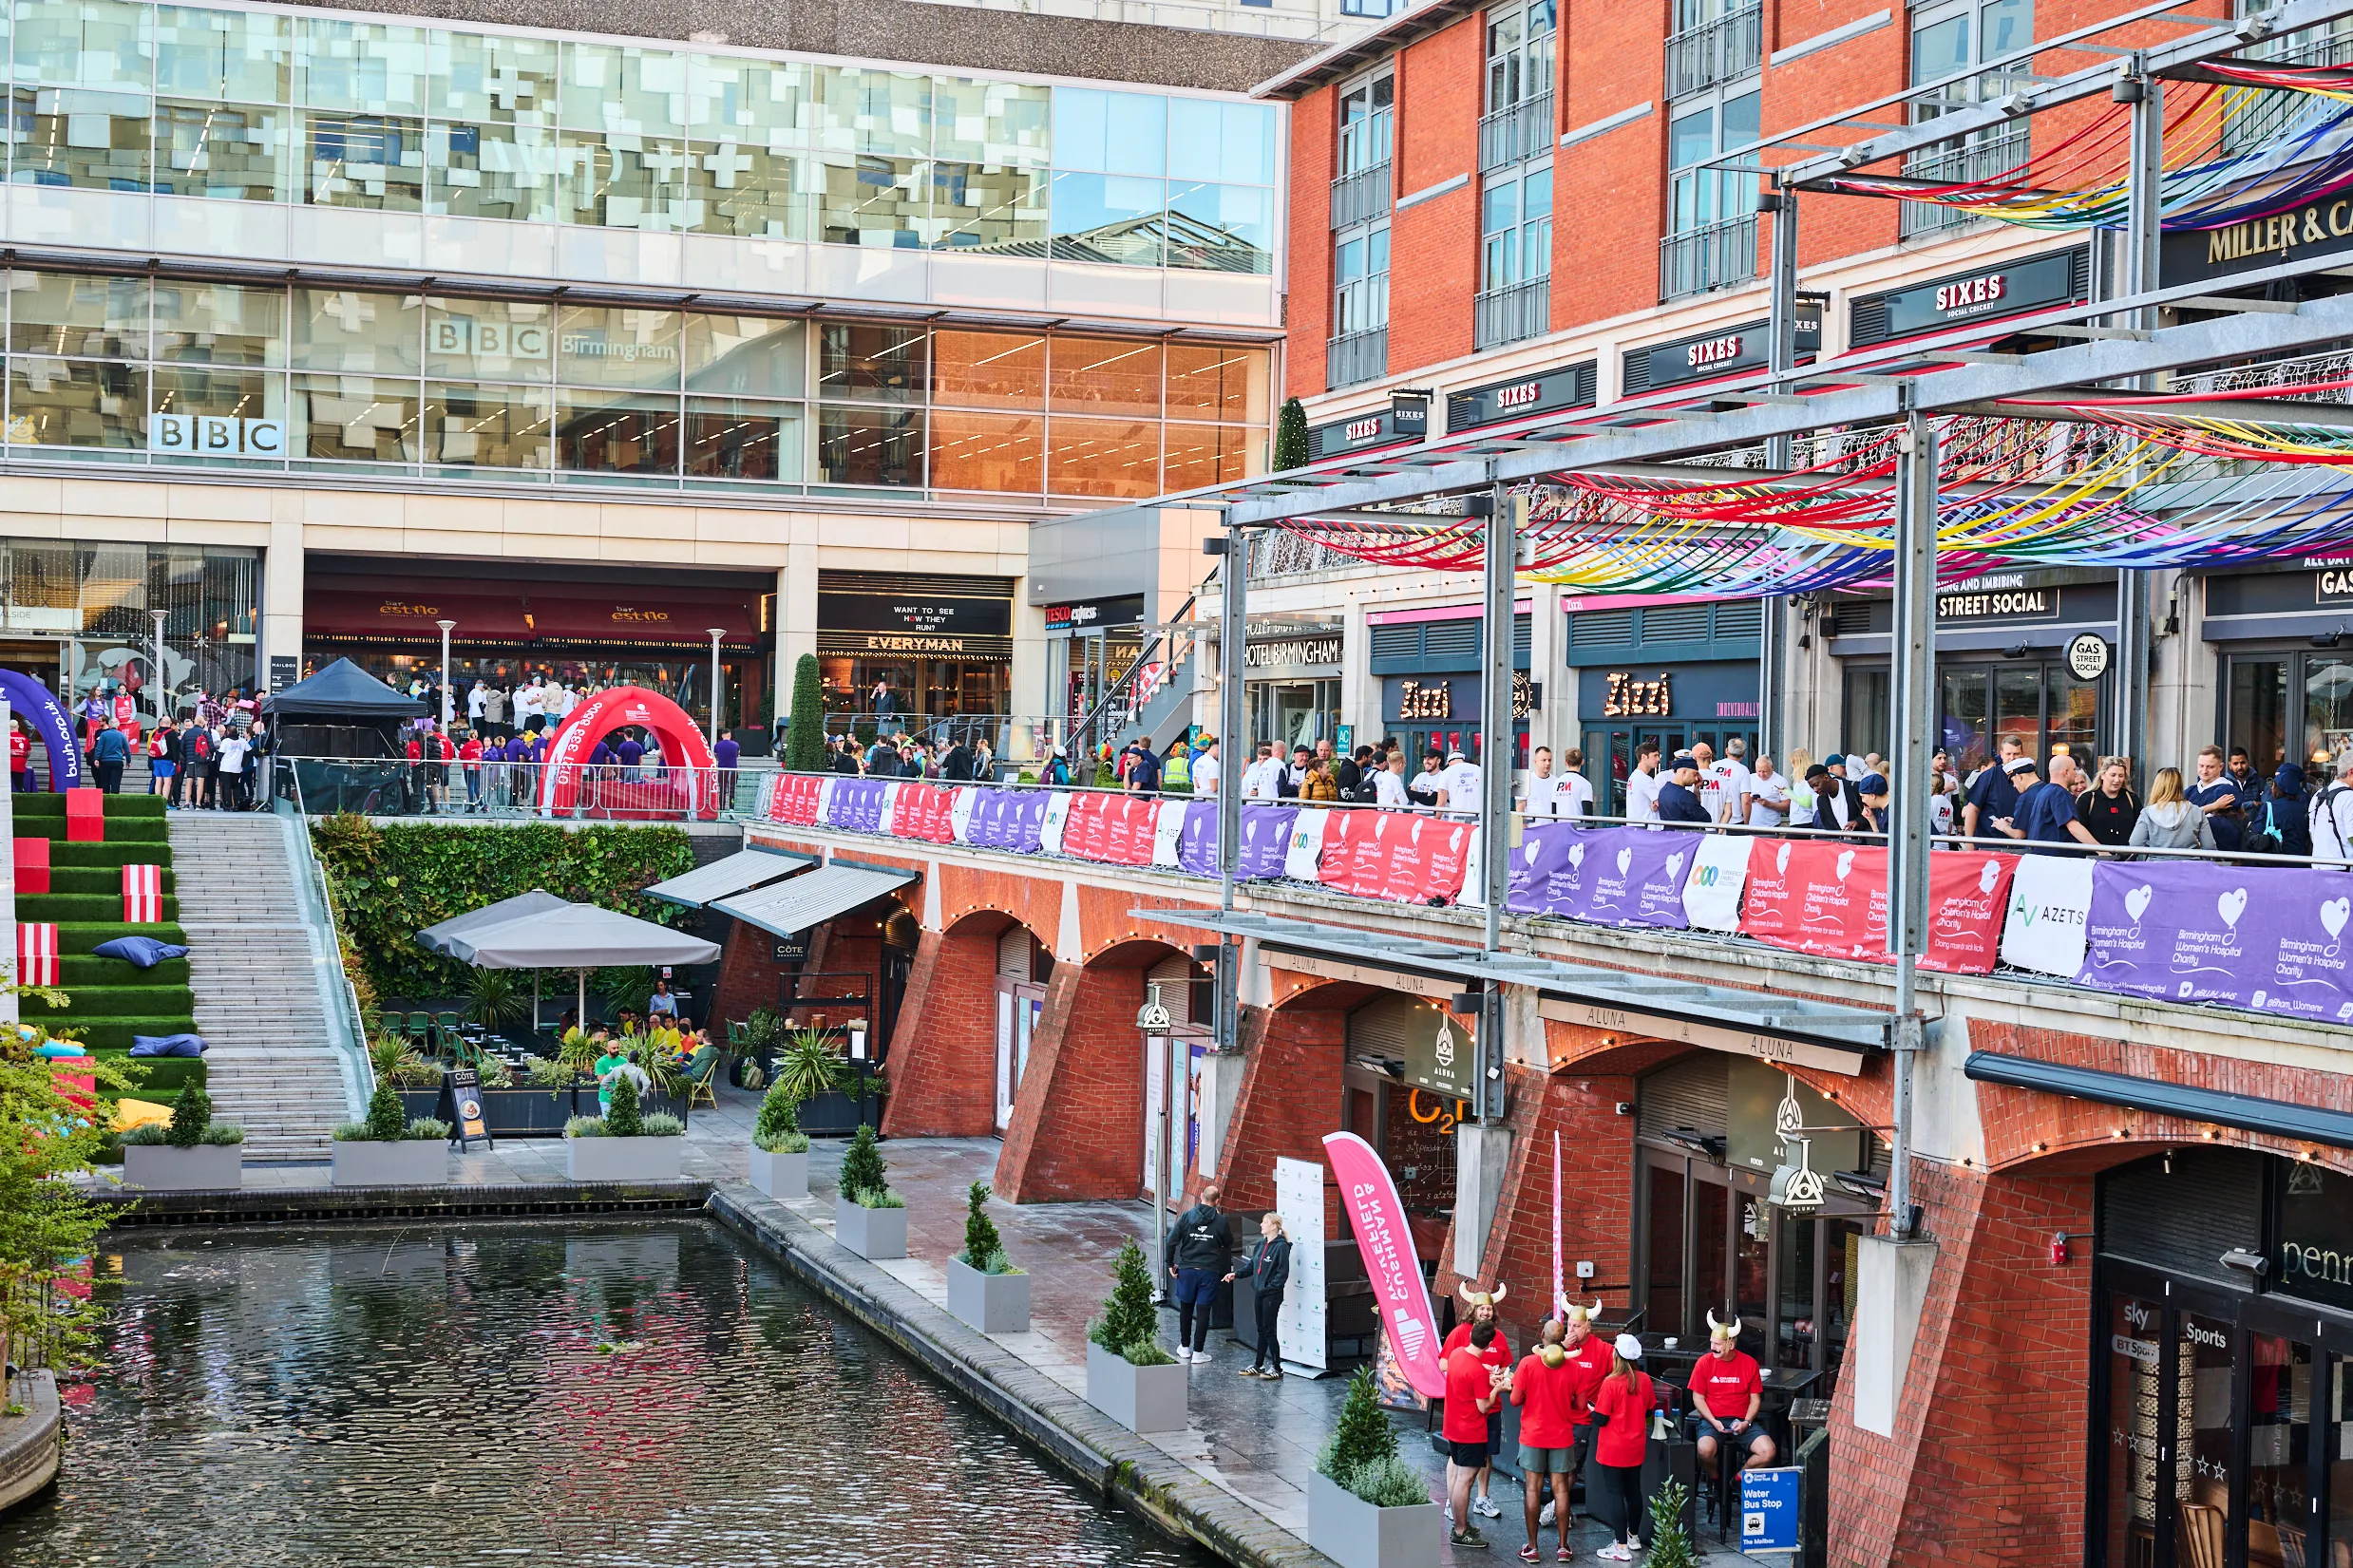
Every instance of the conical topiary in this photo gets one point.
(780, 1113)
(1291, 436)
(804, 741)
(387, 1120)
(1363, 1435)
(191, 1114)
(623, 1117)
(1670, 1545)
(983, 1245)
(861, 1167)
(1130, 1318)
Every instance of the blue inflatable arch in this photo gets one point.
(51, 724)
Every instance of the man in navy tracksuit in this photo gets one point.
(1199, 1257)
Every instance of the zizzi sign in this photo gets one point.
(216, 436)
(1424, 700)
(1628, 697)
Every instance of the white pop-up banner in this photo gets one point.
(2042, 927)
(1304, 854)
(1718, 872)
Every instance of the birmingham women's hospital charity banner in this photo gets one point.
(2270, 938)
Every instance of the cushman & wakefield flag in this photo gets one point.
(1386, 1243)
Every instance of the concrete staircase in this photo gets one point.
(253, 964)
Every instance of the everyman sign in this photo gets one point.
(2197, 254)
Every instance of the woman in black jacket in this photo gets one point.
(1269, 1268)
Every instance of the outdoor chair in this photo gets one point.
(702, 1069)
(421, 1030)
(450, 1027)
(393, 1025)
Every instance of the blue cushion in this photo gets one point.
(143, 950)
(167, 1045)
(61, 1047)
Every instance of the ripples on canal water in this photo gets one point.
(606, 1393)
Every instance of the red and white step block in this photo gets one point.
(36, 952)
(143, 893)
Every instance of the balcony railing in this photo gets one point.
(1515, 312)
(1697, 261)
(1730, 47)
(1522, 131)
(1353, 357)
(1359, 198)
(1982, 157)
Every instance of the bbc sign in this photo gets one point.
(216, 436)
(462, 337)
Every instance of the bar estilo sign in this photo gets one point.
(2320, 228)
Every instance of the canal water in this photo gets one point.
(647, 1393)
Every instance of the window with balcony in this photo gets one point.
(1515, 256)
(1518, 122)
(1948, 39)
(1711, 238)
(1713, 42)
(1358, 347)
(1360, 184)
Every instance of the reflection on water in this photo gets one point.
(642, 1394)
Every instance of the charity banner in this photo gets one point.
(2042, 924)
(1969, 892)
(1385, 1242)
(1831, 898)
(1634, 876)
(1197, 849)
(1055, 826)
(794, 799)
(1404, 857)
(921, 811)
(856, 805)
(1082, 835)
(1719, 870)
(1168, 832)
(961, 799)
(1305, 852)
(2268, 938)
(1130, 822)
(1265, 841)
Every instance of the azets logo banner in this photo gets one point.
(216, 436)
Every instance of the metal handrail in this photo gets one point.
(352, 1043)
(1121, 690)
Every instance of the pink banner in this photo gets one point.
(1832, 899)
(795, 801)
(921, 811)
(1386, 1242)
(1406, 858)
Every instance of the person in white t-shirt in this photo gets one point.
(1458, 786)
(1389, 783)
(1643, 784)
(1205, 768)
(1767, 795)
(1727, 783)
(1543, 790)
(1575, 800)
(1258, 780)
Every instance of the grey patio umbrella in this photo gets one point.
(436, 937)
(577, 936)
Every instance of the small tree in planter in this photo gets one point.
(1670, 1542)
(1366, 1508)
(984, 1289)
(194, 1154)
(388, 1149)
(1129, 1377)
(627, 1144)
(778, 1157)
(868, 1218)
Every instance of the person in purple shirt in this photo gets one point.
(727, 752)
(630, 751)
(601, 757)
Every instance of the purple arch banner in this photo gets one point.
(38, 706)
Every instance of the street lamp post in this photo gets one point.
(162, 692)
(445, 628)
(716, 632)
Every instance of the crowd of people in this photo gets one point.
(210, 758)
(899, 755)
(501, 772)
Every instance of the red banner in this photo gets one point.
(1385, 1242)
(1130, 821)
(1406, 858)
(924, 811)
(795, 799)
(1831, 898)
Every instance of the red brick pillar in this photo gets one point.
(1077, 1127)
(944, 1049)
(1290, 1098)
(749, 978)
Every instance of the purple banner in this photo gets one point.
(1265, 841)
(856, 804)
(1611, 876)
(2197, 933)
(1197, 851)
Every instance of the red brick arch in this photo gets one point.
(944, 1049)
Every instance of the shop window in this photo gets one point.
(872, 363)
(735, 439)
(2133, 1435)
(224, 392)
(2203, 1438)
(1211, 454)
(2336, 1455)
(876, 446)
(76, 403)
(609, 433)
(356, 419)
(1214, 381)
(995, 452)
(1103, 457)
(341, 329)
(467, 427)
(220, 323)
(2279, 1433)
(599, 346)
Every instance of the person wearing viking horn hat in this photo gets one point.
(1480, 1307)
(1726, 1391)
(1589, 1358)
(1545, 1388)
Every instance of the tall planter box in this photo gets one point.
(623, 1158)
(872, 1233)
(830, 1115)
(783, 1177)
(159, 1167)
(409, 1162)
(993, 1303)
(1143, 1399)
(1355, 1534)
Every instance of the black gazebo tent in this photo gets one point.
(341, 730)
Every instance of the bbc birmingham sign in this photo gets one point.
(216, 436)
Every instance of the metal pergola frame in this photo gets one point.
(2112, 343)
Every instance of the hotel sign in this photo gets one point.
(2321, 228)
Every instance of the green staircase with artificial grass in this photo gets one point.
(109, 1000)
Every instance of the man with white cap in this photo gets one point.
(1458, 786)
(1622, 1410)
(1726, 1393)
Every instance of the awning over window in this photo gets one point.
(744, 869)
(810, 900)
(2280, 1117)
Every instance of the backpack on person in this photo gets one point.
(198, 746)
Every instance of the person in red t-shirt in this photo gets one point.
(1589, 1353)
(471, 756)
(1474, 1388)
(1482, 1304)
(1726, 1391)
(1546, 1387)
(1621, 1408)
(20, 754)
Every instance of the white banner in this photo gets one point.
(959, 812)
(1169, 832)
(1300, 1326)
(2042, 928)
(890, 806)
(1306, 849)
(824, 798)
(1712, 892)
(1475, 873)
(1050, 831)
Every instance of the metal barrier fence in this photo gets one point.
(594, 792)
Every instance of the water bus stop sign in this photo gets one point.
(1769, 1510)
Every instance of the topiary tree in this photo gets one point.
(191, 1114)
(1291, 436)
(387, 1120)
(623, 1117)
(1130, 1321)
(861, 1165)
(1670, 1545)
(804, 741)
(983, 1245)
(780, 1113)
(1362, 1436)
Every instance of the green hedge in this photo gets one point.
(164, 1077)
(81, 908)
(79, 972)
(133, 830)
(101, 882)
(114, 1033)
(42, 803)
(393, 882)
(161, 999)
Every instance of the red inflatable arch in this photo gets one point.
(684, 750)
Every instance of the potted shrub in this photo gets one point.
(192, 1154)
(1129, 1377)
(868, 1218)
(625, 1144)
(780, 1150)
(984, 1289)
(388, 1149)
(813, 1068)
(1366, 1508)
